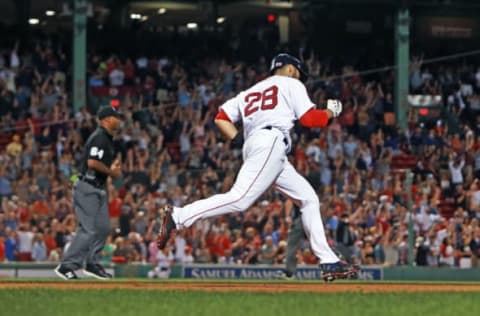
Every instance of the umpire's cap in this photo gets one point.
(106, 111)
(285, 59)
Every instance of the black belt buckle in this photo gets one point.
(269, 127)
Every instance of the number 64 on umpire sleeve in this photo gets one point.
(95, 152)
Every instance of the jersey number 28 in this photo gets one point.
(265, 100)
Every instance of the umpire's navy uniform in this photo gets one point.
(90, 202)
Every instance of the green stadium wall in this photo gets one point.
(139, 270)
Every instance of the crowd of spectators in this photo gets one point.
(171, 152)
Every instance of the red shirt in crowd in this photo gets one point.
(114, 207)
(383, 221)
(40, 208)
(456, 144)
(23, 215)
(223, 243)
(301, 159)
(2, 251)
(212, 244)
(50, 243)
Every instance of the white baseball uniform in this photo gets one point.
(268, 111)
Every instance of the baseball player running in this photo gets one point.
(268, 111)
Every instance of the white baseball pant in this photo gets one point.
(265, 164)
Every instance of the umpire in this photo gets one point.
(90, 200)
(296, 234)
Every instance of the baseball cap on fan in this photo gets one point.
(285, 59)
(106, 111)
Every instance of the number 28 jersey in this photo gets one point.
(276, 101)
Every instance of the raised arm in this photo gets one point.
(320, 118)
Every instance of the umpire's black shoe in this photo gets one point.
(286, 275)
(97, 271)
(65, 273)
(167, 225)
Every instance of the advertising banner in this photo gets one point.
(265, 272)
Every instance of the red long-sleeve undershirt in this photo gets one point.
(312, 118)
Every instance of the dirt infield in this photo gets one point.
(251, 287)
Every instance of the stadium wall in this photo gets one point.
(212, 271)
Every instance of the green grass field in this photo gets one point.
(72, 302)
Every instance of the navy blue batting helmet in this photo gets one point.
(285, 59)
